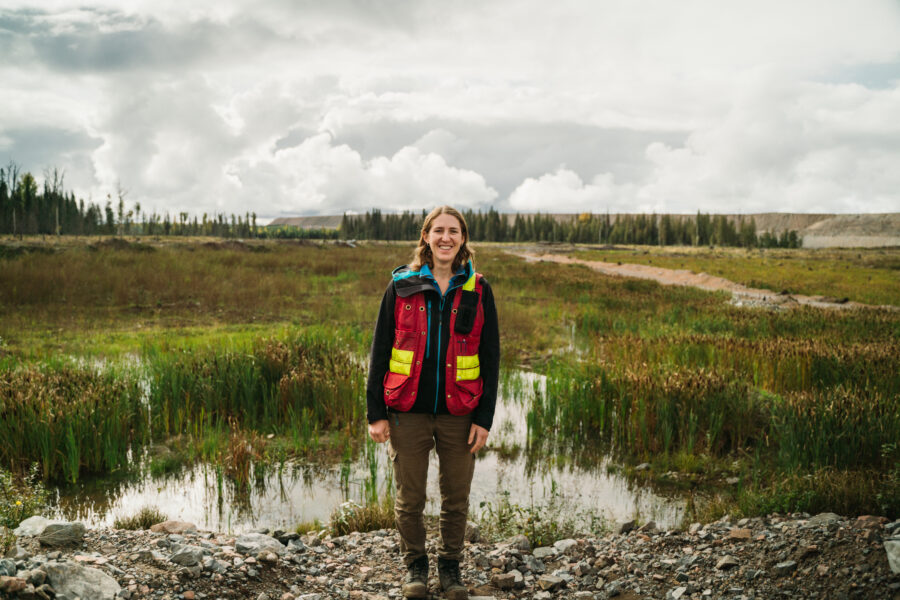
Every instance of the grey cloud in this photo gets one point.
(102, 40)
(507, 153)
(36, 149)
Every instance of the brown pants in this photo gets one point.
(413, 436)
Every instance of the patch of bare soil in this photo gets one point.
(741, 294)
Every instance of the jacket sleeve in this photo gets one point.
(489, 359)
(380, 357)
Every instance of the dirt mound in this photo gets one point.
(121, 244)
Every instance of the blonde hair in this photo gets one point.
(422, 253)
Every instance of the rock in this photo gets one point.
(173, 527)
(869, 522)
(518, 579)
(544, 552)
(676, 593)
(186, 556)
(520, 543)
(533, 564)
(892, 547)
(473, 532)
(739, 534)
(503, 581)
(7, 567)
(31, 526)
(642, 467)
(254, 543)
(785, 568)
(549, 582)
(826, 519)
(623, 527)
(310, 597)
(648, 527)
(726, 562)
(12, 585)
(562, 546)
(62, 534)
(75, 581)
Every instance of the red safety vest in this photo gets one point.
(463, 384)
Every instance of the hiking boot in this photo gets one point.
(451, 581)
(416, 583)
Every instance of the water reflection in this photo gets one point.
(283, 495)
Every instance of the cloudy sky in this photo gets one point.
(294, 107)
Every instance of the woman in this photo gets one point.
(433, 383)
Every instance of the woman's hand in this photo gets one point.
(380, 430)
(478, 436)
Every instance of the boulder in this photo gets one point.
(186, 555)
(12, 585)
(892, 546)
(62, 534)
(254, 543)
(31, 526)
(562, 546)
(76, 581)
(170, 527)
(826, 519)
(7, 567)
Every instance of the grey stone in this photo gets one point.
(31, 526)
(824, 520)
(76, 580)
(520, 543)
(892, 547)
(623, 527)
(518, 579)
(214, 566)
(310, 597)
(254, 543)
(473, 532)
(544, 552)
(676, 593)
(7, 567)
(186, 556)
(533, 564)
(562, 546)
(785, 568)
(726, 562)
(62, 534)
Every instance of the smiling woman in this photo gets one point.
(433, 383)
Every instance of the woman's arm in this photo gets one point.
(489, 360)
(380, 357)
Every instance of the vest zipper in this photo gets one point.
(437, 383)
(428, 329)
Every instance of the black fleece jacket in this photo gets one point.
(428, 399)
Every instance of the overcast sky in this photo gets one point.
(319, 107)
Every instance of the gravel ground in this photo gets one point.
(796, 556)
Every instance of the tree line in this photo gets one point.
(586, 228)
(27, 208)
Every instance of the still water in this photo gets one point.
(282, 496)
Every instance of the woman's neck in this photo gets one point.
(441, 271)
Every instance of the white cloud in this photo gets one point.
(321, 178)
(651, 105)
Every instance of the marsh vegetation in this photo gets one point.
(121, 355)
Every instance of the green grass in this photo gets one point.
(143, 519)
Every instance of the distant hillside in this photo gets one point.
(817, 230)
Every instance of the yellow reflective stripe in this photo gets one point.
(467, 368)
(468, 374)
(467, 362)
(401, 361)
(469, 285)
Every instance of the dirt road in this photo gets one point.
(741, 295)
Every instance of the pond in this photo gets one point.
(282, 495)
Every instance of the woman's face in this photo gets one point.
(445, 238)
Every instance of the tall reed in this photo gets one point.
(305, 383)
(70, 419)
